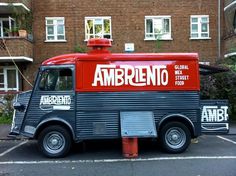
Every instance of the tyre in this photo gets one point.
(54, 141)
(175, 137)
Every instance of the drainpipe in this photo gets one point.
(219, 30)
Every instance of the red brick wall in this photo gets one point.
(17, 47)
(127, 25)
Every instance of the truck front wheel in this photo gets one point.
(54, 141)
(175, 137)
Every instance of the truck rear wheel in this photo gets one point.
(54, 141)
(175, 137)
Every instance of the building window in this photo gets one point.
(7, 26)
(97, 27)
(200, 27)
(55, 29)
(9, 80)
(158, 27)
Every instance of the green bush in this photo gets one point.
(5, 120)
(222, 86)
(79, 49)
(6, 108)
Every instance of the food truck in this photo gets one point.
(104, 95)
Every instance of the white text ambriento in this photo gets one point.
(110, 75)
(55, 100)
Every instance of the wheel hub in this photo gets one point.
(54, 141)
(175, 137)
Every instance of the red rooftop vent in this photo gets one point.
(99, 45)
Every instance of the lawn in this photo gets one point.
(5, 120)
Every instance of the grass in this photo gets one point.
(5, 120)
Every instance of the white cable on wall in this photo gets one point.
(9, 53)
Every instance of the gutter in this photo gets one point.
(219, 29)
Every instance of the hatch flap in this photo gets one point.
(214, 116)
(137, 124)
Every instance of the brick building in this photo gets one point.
(60, 26)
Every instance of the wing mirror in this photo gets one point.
(19, 107)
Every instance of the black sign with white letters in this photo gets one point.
(214, 116)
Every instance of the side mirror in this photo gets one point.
(18, 106)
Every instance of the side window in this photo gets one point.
(56, 80)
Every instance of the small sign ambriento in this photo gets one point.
(214, 116)
(55, 102)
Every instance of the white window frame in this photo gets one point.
(9, 19)
(199, 32)
(163, 36)
(1, 28)
(55, 34)
(5, 83)
(94, 18)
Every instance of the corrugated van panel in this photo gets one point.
(104, 108)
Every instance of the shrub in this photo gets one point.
(6, 108)
(79, 49)
(222, 86)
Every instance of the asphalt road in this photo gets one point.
(211, 156)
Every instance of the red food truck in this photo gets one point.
(101, 95)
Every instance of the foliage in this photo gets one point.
(79, 49)
(6, 108)
(23, 18)
(158, 43)
(222, 86)
(5, 120)
(230, 63)
(13, 29)
(107, 26)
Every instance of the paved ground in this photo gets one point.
(4, 130)
(4, 133)
(211, 156)
(232, 128)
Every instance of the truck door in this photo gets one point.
(53, 97)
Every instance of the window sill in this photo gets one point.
(55, 41)
(167, 39)
(205, 38)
